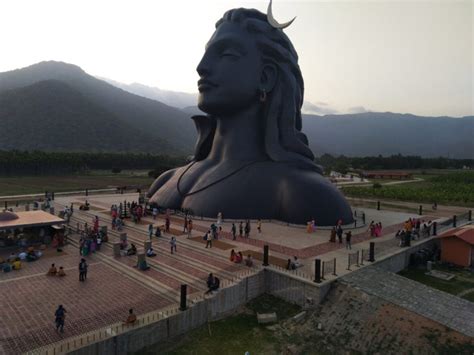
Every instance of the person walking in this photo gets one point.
(190, 228)
(348, 240)
(83, 270)
(60, 316)
(185, 224)
(158, 232)
(259, 226)
(339, 232)
(234, 231)
(150, 231)
(208, 238)
(247, 228)
(241, 229)
(173, 244)
(167, 224)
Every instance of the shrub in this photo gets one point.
(116, 170)
(377, 185)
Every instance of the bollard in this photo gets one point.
(420, 210)
(265, 255)
(317, 270)
(116, 248)
(52, 195)
(372, 252)
(378, 205)
(454, 220)
(182, 306)
(87, 192)
(435, 228)
(469, 215)
(6, 205)
(355, 223)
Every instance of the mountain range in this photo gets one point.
(56, 106)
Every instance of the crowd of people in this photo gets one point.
(414, 228)
(91, 240)
(14, 261)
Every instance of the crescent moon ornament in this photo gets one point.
(271, 20)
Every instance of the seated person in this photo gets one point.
(213, 283)
(289, 265)
(296, 262)
(238, 257)
(31, 256)
(158, 232)
(132, 250)
(61, 271)
(12, 257)
(249, 261)
(6, 267)
(232, 255)
(22, 255)
(142, 265)
(132, 318)
(16, 264)
(52, 271)
(150, 252)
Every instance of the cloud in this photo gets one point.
(357, 109)
(310, 108)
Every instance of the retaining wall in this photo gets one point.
(227, 301)
(401, 260)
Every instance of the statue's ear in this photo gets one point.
(269, 77)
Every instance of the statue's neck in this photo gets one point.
(239, 136)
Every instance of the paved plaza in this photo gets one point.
(114, 284)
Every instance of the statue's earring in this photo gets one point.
(263, 95)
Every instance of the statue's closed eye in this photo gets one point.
(230, 54)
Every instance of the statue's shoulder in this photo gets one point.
(305, 194)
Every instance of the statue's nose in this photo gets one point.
(203, 67)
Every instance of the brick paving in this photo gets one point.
(28, 304)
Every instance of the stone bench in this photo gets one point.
(263, 318)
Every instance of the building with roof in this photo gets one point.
(32, 226)
(457, 246)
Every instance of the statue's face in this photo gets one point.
(229, 71)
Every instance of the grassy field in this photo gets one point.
(236, 334)
(453, 188)
(97, 179)
(463, 280)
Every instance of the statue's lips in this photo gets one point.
(204, 85)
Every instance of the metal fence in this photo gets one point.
(328, 268)
(353, 259)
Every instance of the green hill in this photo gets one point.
(50, 115)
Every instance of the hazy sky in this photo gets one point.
(399, 56)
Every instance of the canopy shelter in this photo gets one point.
(27, 219)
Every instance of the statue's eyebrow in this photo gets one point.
(226, 43)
